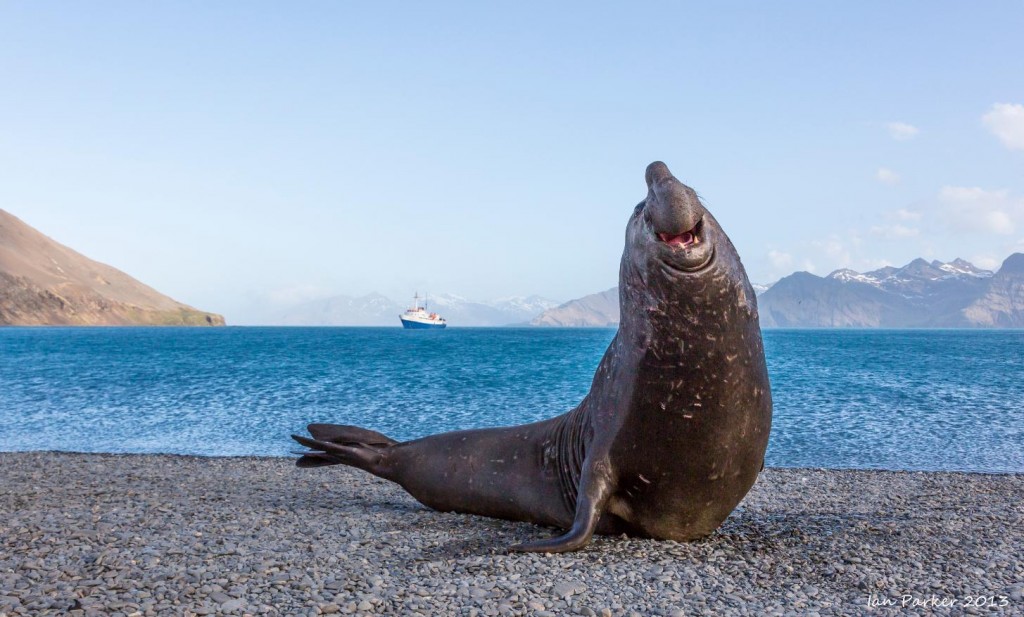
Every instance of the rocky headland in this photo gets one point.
(43, 282)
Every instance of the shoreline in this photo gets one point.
(154, 534)
(293, 458)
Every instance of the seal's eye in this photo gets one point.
(639, 208)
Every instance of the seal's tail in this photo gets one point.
(335, 444)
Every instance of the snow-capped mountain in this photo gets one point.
(529, 305)
(912, 279)
(377, 310)
(919, 294)
(369, 310)
(460, 311)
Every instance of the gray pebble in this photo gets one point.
(136, 536)
(232, 605)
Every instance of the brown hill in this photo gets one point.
(43, 282)
(600, 310)
(1002, 306)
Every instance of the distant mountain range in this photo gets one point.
(43, 282)
(377, 310)
(933, 294)
(921, 294)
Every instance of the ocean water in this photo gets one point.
(919, 400)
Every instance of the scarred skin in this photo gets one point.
(674, 429)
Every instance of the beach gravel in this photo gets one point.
(140, 535)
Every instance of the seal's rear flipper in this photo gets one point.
(348, 435)
(343, 446)
(315, 459)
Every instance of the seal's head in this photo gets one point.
(676, 254)
(674, 225)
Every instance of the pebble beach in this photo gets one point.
(135, 535)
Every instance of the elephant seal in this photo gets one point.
(674, 429)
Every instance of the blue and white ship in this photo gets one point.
(417, 317)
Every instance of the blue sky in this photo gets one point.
(240, 156)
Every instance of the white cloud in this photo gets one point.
(836, 249)
(784, 264)
(895, 232)
(971, 194)
(999, 222)
(977, 209)
(901, 131)
(979, 223)
(904, 214)
(1006, 121)
(986, 262)
(780, 260)
(887, 176)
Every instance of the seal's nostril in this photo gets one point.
(656, 172)
(673, 207)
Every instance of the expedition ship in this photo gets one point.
(417, 317)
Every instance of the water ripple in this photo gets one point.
(923, 400)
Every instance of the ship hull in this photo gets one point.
(419, 325)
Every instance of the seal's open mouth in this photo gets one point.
(689, 251)
(684, 240)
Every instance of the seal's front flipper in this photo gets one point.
(595, 490)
